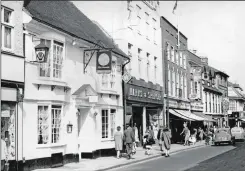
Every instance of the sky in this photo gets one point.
(214, 28)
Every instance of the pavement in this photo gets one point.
(230, 161)
(182, 161)
(106, 163)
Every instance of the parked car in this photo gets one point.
(223, 135)
(238, 132)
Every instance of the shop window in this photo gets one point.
(49, 128)
(56, 123)
(7, 28)
(8, 130)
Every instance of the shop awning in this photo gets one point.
(190, 115)
(206, 117)
(173, 112)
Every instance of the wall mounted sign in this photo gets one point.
(196, 106)
(103, 61)
(142, 94)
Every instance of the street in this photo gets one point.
(189, 159)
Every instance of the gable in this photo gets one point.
(84, 91)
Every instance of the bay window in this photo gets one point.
(7, 28)
(53, 67)
(49, 123)
(108, 123)
(108, 80)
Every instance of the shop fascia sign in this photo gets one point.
(196, 105)
(145, 93)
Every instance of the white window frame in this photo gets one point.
(51, 60)
(110, 135)
(139, 18)
(155, 69)
(174, 84)
(177, 57)
(184, 61)
(139, 61)
(168, 51)
(108, 80)
(148, 67)
(130, 46)
(10, 25)
(172, 54)
(177, 83)
(169, 81)
(180, 59)
(50, 125)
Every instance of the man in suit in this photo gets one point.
(129, 139)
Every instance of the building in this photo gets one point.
(135, 27)
(175, 75)
(12, 81)
(196, 87)
(214, 93)
(236, 105)
(70, 110)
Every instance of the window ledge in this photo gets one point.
(50, 145)
(51, 81)
(107, 140)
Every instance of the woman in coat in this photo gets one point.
(166, 142)
(118, 141)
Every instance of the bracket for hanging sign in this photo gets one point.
(88, 54)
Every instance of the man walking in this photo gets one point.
(129, 139)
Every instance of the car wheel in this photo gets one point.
(215, 143)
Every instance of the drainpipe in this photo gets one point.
(124, 95)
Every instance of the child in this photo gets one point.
(147, 142)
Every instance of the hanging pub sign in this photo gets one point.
(41, 52)
(103, 62)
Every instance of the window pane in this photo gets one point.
(7, 37)
(56, 120)
(43, 125)
(7, 15)
(104, 123)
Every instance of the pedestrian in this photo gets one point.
(129, 140)
(151, 133)
(201, 132)
(159, 138)
(148, 141)
(186, 132)
(118, 137)
(166, 141)
(4, 154)
(136, 134)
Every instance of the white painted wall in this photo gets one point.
(89, 137)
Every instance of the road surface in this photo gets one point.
(184, 160)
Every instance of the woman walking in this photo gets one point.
(186, 132)
(166, 142)
(118, 141)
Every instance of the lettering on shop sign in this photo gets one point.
(144, 94)
(196, 106)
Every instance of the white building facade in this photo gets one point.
(70, 111)
(236, 105)
(135, 27)
(12, 83)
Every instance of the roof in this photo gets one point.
(213, 70)
(233, 93)
(174, 27)
(66, 17)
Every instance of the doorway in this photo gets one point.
(138, 119)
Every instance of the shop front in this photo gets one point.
(10, 112)
(144, 106)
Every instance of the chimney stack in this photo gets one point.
(204, 60)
